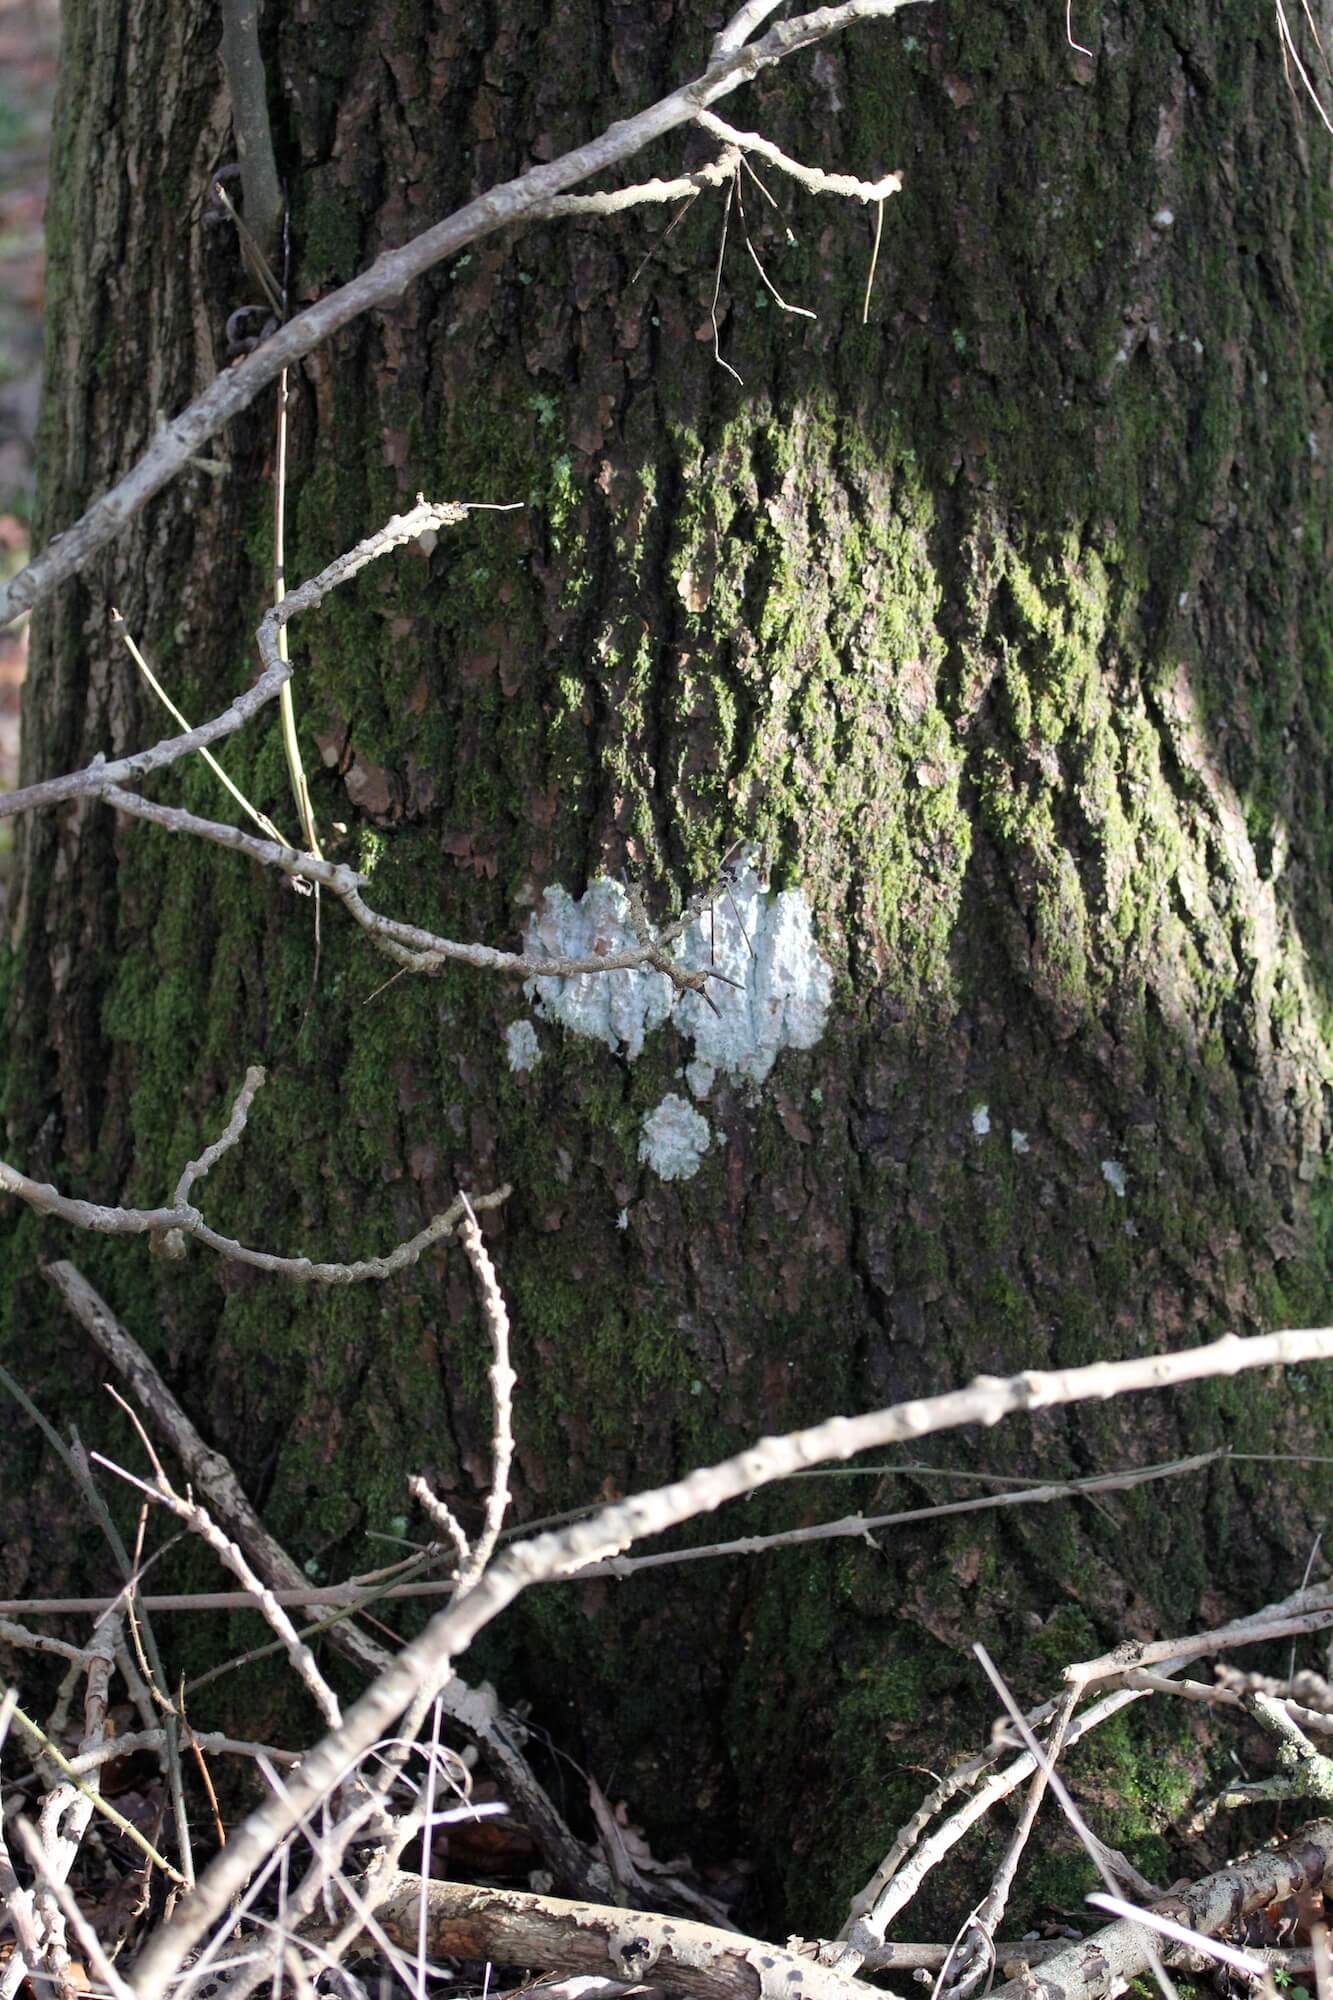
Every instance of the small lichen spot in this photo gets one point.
(981, 1120)
(522, 1046)
(673, 1139)
(1114, 1176)
(1018, 1140)
(700, 1076)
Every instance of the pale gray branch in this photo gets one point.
(100, 775)
(814, 179)
(389, 276)
(518, 1928)
(1105, 1964)
(474, 1710)
(187, 1222)
(409, 945)
(502, 1380)
(425, 1663)
(1305, 1611)
(860, 1527)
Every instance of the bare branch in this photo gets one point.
(445, 1520)
(502, 1379)
(613, 201)
(200, 1522)
(180, 1221)
(862, 1526)
(389, 276)
(522, 1929)
(1310, 1772)
(1106, 1962)
(475, 1711)
(89, 1942)
(1101, 1857)
(100, 774)
(1305, 1611)
(425, 1663)
(196, 1170)
(814, 179)
(211, 1740)
(975, 1950)
(410, 946)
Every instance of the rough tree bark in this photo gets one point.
(998, 626)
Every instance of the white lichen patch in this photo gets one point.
(1018, 1140)
(782, 986)
(1115, 1177)
(701, 1077)
(775, 993)
(522, 1047)
(617, 1008)
(981, 1120)
(673, 1139)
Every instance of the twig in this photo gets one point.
(1310, 1772)
(1289, 48)
(447, 1523)
(101, 773)
(388, 277)
(976, 1952)
(89, 1941)
(911, 1858)
(502, 1380)
(1309, 1611)
(874, 263)
(717, 280)
(475, 1711)
(409, 945)
(1221, 1696)
(814, 179)
(123, 633)
(426, 1662)
(172, 1225)
(1105, 1963)
(211, 1740)
(200, 1522)
(15, 1900)
(1097, 1853)
(94, 1800)
(861, 1526)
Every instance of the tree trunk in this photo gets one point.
(995, 629)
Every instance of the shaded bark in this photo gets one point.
(999, 626)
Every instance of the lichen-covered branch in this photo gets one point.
(517, 1928)
(1105, 1964)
